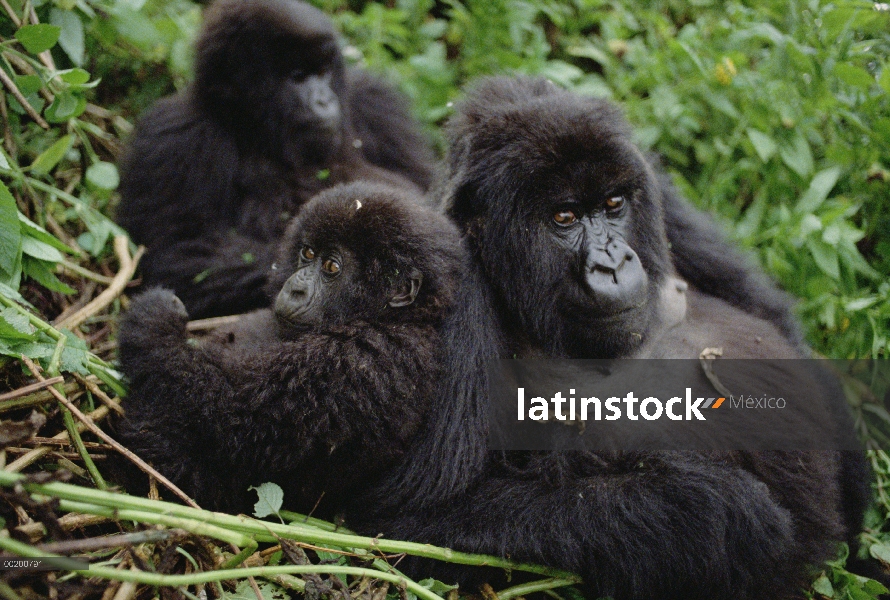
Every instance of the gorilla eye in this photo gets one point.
(307, 253)
(331, 266)
(565, 218)
(615, 202)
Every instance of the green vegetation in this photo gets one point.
(774, 116)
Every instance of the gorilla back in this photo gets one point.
(563, 218)
(212, 174)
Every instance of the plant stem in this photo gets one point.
(266, 530)
(223, 574)
(534, 586)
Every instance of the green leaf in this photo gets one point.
(10, 231)
(32, 229)
(884, 79)
(74, 354)
(12, 294)
(875, 588)
(28, 84)
(13, 279)
(74, 76)
(15, 326)
(103, 175)
(436, 586)
(244, 591)
(37, 249)
(823, 586)
(50, 157)
(65, 106)
(798, 156)
(853, 75)
(71, 33)
(764, 145)
(271, 498)
(37, 38)
(41, 272)
(880, 552)
(821, 185)
(825, 256)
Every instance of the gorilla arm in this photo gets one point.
(633, 525)
(177, 177)
(637, 527)
(245, 415)
(213, 275)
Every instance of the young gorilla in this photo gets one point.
(319, 394)
(563, 218)
(213, 173)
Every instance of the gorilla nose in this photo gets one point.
(325, 108)
(616, 279)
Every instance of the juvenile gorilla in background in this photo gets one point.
(563, 218)
(319, 394)
(273, 117)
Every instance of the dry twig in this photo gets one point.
(98, 393)
(212, 323)
(33, 387)
(143, 466)
(12, 16)
(17, 93)
(118, 284)
(35, 531)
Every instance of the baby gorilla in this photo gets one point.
(321, 393)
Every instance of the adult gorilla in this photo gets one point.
(563, 217)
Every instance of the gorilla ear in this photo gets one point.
(409, 290)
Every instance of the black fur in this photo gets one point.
(318, 409)
(636, 525)
(212, 175)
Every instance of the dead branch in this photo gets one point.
(143, 466)
(118, 284)
(98, 393)
(17, 94)
(24, 391)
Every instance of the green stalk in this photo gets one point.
(70, 425)
(239, 540)
(206, 577)
(100, 371)
(264, 530)
(534, 586)
(74, 435)
(302, 519)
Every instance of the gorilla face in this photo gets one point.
(310, 89)
(364, 252)
(568, 227)
(328, 289)
(272, 70)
